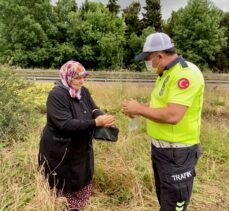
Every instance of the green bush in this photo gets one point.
(16, 117)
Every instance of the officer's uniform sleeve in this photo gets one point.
(183, 88)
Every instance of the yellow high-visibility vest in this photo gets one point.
(182, 83)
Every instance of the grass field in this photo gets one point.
(123, 176)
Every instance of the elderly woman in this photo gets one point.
(66, 151)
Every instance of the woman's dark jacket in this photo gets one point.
(66, 151)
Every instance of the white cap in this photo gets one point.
(155, 42)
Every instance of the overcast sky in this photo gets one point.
(167, 6)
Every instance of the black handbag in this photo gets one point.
(106, 133)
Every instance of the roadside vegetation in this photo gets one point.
(123, 176)
(107, 37)
(17, 115)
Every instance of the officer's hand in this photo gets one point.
(131, 108)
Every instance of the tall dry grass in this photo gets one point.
(123, 175)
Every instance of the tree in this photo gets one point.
(63, 8)
(134, 46)
(197, 32)
(62, 50)
(131, 19)
(98, 37)
(132, 32)
(26, 27)
(169, 24)
(222, 58)
(113, 7)
(152, 15)
(84, 8)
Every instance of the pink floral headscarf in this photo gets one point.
(70, 70)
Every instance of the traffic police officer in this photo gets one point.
(173, 120)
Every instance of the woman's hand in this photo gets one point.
(105, 120)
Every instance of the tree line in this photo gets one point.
(37, 33)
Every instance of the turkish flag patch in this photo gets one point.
(183, 83)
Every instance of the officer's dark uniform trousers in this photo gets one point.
(174, 172)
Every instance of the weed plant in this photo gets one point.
(16, 115)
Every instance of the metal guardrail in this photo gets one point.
(127, 80)
(103, 76)
(133, 80)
